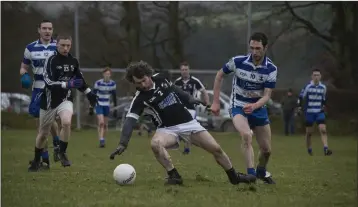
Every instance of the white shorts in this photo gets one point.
(47, 117)
(183, 131)
(192, 112)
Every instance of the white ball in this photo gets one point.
(124, 174)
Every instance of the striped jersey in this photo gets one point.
(314, 97)
(249, 81)
(35, 55)
(104, 90)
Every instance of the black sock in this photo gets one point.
(232, 175)
(38, 153)
(63, 146)
(173, 173)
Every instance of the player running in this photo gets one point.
(254, 79)
(191, 85)
(61, 74)
(34, 56)
(104, 89)
(314, 96)
(162, 100)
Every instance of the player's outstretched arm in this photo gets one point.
(126, 135)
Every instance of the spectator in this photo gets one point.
(289, 103)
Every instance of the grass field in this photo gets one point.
(302, 180)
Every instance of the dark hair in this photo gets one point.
(44, 21)
(184, 63)
(138, 70)
(316, 70)
(260, 37)
(106, 69)
(63, 37)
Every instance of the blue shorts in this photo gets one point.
(102, 110)
(259, 117)
(318, 118)
(34, 107)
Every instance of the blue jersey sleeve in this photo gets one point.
(27, 57)
(230, 66)
(271, 78)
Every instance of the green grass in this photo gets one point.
(301, 180)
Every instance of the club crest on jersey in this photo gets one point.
(46, 54)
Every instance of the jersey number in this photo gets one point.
(160, 93)
(253, 76)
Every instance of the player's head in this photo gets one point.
(64, 43)
(45, 30)
(258, 45)
(140, 73)
(184, 69)
(316, 75)
(107, 72)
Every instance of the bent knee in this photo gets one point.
(323, 130)
(156, 144)
(101, 124)
(66, 124)
(247, 137)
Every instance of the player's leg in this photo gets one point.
(242, 126)
(46, 119)
(187, 143)
(204, 140)
(160, 142)
(105, 124)
(65, 111)
(323, 131)
(100, 124)
(55, 140)
(310, 118)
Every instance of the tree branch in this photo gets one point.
(309, 26)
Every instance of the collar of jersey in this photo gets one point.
(153, 87)
(312, 83)
(40, 43)
(263, 63)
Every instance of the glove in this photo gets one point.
(186, 151)
(92, 98)
(208, 109)
(115, 113)
(91, 111)
(25, 81)
(120, 149)
(75, 83)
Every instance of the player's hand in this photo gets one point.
(215, 109)
(208, 109)
(90, 111)
(120, 149)
(25, 80)
(92, 98)
(75, 83)
(249, 108)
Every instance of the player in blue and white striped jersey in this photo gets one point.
(313, 95)
(34, 56)
(253, 81)
(104, 89)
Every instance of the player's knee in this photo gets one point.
(266, 153)
(323, 130)
(66, 124)
(101, 124)
(156, 144)
(247, 137)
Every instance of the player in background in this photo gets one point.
(191, 85)
(253, 82)
(162, 100)
(34, 56)
(314, 97)
(61, 74)
(104, 89)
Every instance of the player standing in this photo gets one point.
(314, 96)
(159, 98)
(191, 85)
(253, 81)
(104, 89)
(35, 55)
(61, 74)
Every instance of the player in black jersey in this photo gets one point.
(61, 74)
(191, 85)
(162, 100)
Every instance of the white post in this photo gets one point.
(77, 53)
(249, 19)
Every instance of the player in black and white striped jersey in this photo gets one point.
(191, 85)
